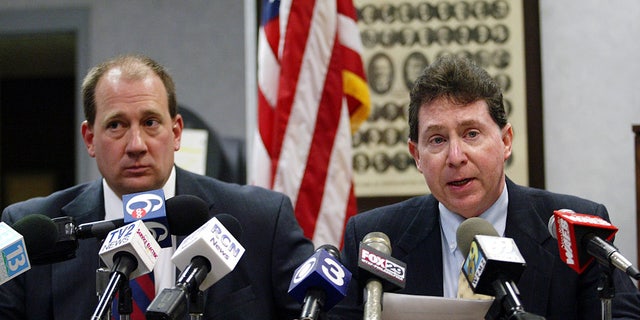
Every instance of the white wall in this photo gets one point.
(591, 98)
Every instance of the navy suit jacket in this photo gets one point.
(256, 288)
(548, 287)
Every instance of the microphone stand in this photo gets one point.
(125, 301)
(313, 304)
(196, 305)
(119, 278)
(372, 304)
(506, 305)
(102, 279)
(606, 290)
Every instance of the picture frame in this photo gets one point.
(500, 35)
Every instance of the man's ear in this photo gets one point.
(413, 149)
(87, 137)
(178, 125)
(507, 140)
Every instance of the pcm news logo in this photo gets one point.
(224, 242)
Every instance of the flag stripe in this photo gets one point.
(295, 38)
(312, 95)
(308, 56)
(335, 204)
(312, 187)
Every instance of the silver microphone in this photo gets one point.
(373, 288)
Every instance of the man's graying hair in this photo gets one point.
(134, 67)
(459, 80)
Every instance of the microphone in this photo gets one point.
(583, 237)
(320, 282)
(39, 233)
(492, 267)
(205, 256)
(149, 207)
(14, 242)
(185, 213)
(129, 251)
(375, 258)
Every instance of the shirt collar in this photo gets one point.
(113, 204)
(496, 215)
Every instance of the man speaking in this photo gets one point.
(460, 140)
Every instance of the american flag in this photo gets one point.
(312, 95)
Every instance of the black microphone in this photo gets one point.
(492, 267)
(580, 239)
(23, 236)
(376, 260)
(130, 251)
(185, 213)
(320, 282)
(39, 232)
(204, 257)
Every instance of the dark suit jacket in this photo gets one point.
(256, 288)
(548, 287)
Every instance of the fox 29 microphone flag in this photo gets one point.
(312, 95)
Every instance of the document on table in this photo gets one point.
(414, 307)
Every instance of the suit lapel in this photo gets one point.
(72, 281)
(419, 246)
(525, 226)
(186, 184)
(423, 222)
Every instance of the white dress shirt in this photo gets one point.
(164, 271)
(452, 259)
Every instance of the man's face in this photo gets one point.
(133, 138)
(414, 68)
(461, 153)
(382, 74)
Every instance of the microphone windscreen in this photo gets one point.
(231, 223)
(185, 214)
(332, 250)
(378, 241)
(39, 232)
(374, 258)
(551, 225)
(469, 229)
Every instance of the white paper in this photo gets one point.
(192, 155)
(414, 307)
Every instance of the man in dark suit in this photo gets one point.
(460, 140)
(132, 128)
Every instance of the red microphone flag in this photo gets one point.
(570, 228)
